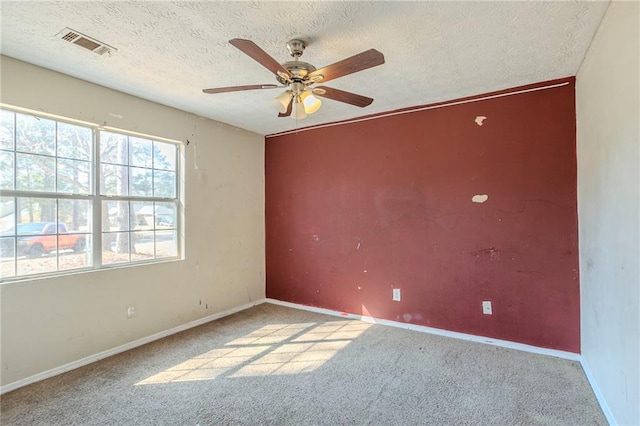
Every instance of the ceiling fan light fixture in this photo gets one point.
(281, 102)
(310, 102)
(298, 112)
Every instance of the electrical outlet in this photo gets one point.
(486, 308)
(131, 311)
(396, 295)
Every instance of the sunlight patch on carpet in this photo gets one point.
(275, 349)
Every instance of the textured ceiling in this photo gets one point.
(169, 51)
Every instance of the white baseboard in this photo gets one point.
(596, 390)
(127, 346)
(469, 337)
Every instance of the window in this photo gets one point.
(58, 180)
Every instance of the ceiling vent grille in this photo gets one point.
(89, 43)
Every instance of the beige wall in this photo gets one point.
(46, 323)
(607, 95)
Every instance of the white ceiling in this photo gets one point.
(169, 51)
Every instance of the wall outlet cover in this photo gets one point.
(396, 295)
(131, 311)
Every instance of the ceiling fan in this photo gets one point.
(298, 77)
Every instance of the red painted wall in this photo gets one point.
(357, 209)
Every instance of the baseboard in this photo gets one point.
(596, 390)
(469, 337)
(123, 348)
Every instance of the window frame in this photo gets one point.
(95, 198)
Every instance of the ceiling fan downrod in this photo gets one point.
(296, 47)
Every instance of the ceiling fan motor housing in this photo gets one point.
(298, 69)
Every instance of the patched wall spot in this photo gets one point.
(480, 119)
(481, 198)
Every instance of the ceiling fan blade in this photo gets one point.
(240, 88)
(260, 56)
(342, 96)
(287, 113)
(359, 62)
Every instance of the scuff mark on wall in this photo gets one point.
(490, 253)
(358, 240)
(195, 156)
(480, 198)
(480, 119)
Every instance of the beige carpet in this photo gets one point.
(275, 365)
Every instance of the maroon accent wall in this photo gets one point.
(355, 210)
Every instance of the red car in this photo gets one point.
(37, 238)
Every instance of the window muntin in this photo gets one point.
(53, 189)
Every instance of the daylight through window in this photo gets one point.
(73, 196)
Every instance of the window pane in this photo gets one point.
(7, 259)
(143, 243)
(141, 182)
(74, 216)
(115, 247)
(165, 215)
(114, 180)
(37, 216)
(6, 170)
(7, 216)
(36, 264)
(72, 242)
(7, 237)
(142, 215)
(164, 156)
(36, 135)
(166, 244)
(35, 173)
(115, 216)
(7, 248)
(164, 184)
(37, 243)
(79, 255)
(7, 127)
(113, 148)
(73, 176)
(140, 150)
(74, 141)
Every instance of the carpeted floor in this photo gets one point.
(282, 366)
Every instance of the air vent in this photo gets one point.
(89, 43)
(70, 36)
